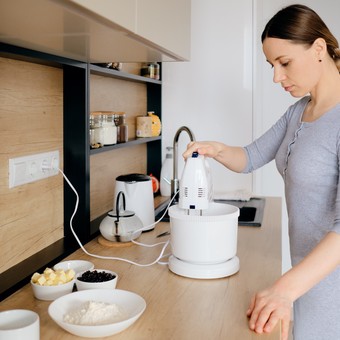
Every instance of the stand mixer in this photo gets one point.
(203, 234)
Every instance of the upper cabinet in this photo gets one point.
(100, 31)
(167, 24)
(121, 12)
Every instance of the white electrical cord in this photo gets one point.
(161, 255)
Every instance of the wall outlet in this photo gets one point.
(33, 168)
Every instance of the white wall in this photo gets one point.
(212, 94)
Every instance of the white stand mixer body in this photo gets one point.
(207, 239)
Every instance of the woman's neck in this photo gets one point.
(325, 96)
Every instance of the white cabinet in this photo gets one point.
(166, 23)
(121, 12)
(161, 23)
(99, 31)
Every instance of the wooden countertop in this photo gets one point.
(179, 307)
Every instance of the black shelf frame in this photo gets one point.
(107, 72)
(77, 153)
(130, 142)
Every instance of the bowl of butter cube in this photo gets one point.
(52, 284)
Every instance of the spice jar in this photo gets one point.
(122, 128)
(109, 130)
(156, 71)
(151, 70)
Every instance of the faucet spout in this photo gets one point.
(175, 180)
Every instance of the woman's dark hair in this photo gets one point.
(301, 25)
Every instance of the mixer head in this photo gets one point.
(195, 184)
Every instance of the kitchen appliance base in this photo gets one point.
(204, 271)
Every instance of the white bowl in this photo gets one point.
(77, 265)
(133, 304)
(49, 293)
(19, 324)
(110, 284)
(215, 231)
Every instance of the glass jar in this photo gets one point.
(109, 130)
(123, 130)
(150, 70)
(96, 132)
(156, 71)
(92, 136)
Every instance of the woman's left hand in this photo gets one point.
(267, 308)
(274, 304)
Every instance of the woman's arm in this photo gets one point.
(232, 157)
(274, 304)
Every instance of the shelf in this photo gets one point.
(127, 144)
(106, 72)
(36, 57)
(77, 154)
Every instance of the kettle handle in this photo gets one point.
(121, 193)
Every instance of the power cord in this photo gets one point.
(157, 260)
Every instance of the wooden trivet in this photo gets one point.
(106, 243)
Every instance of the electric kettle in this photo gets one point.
(120, 225)
(138, 191)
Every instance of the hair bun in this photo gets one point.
(336, 53)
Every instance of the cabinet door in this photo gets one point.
(166, 23)
(121, 12)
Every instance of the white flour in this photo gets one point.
(93, 313)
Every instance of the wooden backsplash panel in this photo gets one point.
(31, 116)
(105, 167)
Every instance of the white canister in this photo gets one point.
(207, 239)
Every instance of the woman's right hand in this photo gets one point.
(208, 149)
(232, 157)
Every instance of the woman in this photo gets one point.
(305, 144)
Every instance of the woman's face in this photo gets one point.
(295, 65)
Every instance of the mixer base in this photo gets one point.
(204, 271)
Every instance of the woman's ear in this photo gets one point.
(320, 48)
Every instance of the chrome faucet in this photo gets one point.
(175, 180)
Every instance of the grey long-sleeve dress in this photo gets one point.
(307, 155)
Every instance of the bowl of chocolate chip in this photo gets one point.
(96, 279)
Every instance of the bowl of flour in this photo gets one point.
(97, 312)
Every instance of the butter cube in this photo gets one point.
(48, 271)
(51, 276)
(70, 274)
(35, 277)
(60, 277)
(41, 281)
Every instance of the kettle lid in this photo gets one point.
(133, 178)
(121, 213)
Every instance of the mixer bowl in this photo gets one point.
(207, 239)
